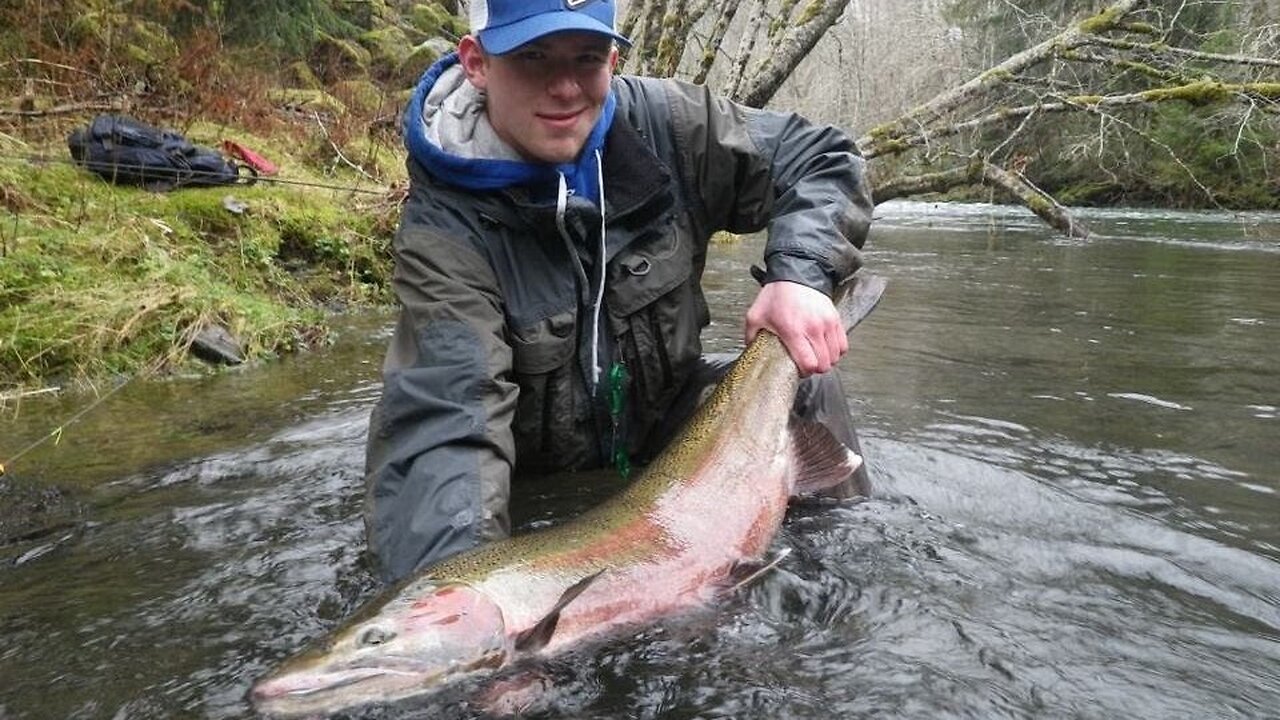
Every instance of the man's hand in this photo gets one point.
(806, 322)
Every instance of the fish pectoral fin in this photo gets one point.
(537, 637)
(821, 461)
(744, 572)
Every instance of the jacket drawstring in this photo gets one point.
(562, 203)
(595, 320)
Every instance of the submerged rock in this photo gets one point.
(30, 512)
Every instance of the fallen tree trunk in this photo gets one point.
(980, 172)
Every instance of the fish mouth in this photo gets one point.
(298, 693)
(391, 668)
(387, 679)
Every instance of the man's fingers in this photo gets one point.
(827, 355)
(803, 352)
(838, 341)
(806, 358)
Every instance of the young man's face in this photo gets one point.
(545, 96)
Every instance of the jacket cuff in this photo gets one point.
(801, 270)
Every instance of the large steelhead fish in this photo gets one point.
(698, 520)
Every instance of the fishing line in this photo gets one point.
(39, 159)
(57, 431)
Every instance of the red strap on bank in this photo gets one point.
(260, 164)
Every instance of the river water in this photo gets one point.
(1075, 447)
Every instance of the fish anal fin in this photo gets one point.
(537, 637)
(745, 572)
(820, 460)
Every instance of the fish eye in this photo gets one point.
(374, 636)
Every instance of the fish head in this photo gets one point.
(402, 644)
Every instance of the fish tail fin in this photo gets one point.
(821, 460)
(856, 297)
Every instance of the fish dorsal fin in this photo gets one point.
(821, 461)
(537, 637)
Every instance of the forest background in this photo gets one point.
(1046, 103)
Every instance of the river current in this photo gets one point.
(1075, 451)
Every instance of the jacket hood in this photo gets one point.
(447, 131)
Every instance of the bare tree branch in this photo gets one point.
(711, 51)
(1162, 49)
(1196, 93)
(816, 19)
(1035, 200)
(980, 172)
(929, 183)
(746, 48)
(944, 103)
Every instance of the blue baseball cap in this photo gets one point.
(504, 25)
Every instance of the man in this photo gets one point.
(549, 261)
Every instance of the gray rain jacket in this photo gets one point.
(492, 368)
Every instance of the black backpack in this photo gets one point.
(125, 151)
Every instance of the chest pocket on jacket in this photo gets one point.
(656, 313)
(546, 414)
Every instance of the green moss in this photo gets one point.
(1208, 92)
(1102, 22)
(307, 101)
(1039, 205)
(361, 96)
(388, 47)
(1203, 92)
(98, 279)
(372, 155)
(299, 75)
(893, 147)
(152, 43)
(433, 20)
(417, 62)
(666, 51)
(1146, 69)
(334, 59)
(1142, 28)
(810, 12)
(1264, 89)
(884, 131)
